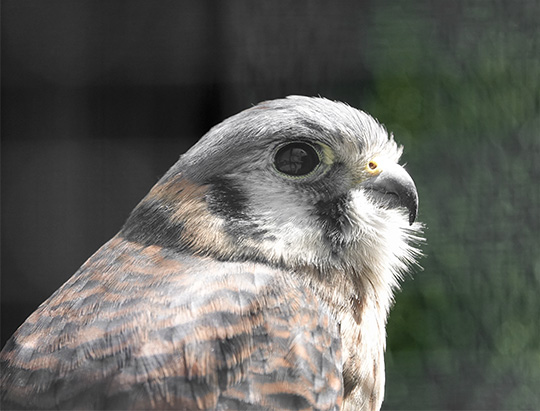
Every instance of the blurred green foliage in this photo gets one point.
(460, 89)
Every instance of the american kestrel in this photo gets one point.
(256, 274)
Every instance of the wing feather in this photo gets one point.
(145, 327)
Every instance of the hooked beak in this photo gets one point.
(394, 187)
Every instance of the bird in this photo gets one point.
(256, 274)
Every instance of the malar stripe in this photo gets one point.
(330, 214)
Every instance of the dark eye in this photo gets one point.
(296, 159)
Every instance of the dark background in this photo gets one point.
(99, 98)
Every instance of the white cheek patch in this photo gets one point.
(363, 214)
(376, 242)
(384, 241)
(293, 233)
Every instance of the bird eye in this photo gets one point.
(296, 159)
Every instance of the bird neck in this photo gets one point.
(362, 316)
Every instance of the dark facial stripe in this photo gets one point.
(333, 216)
(151, 224)
(227, 200)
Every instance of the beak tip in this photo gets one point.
(413, 208)
(412, 217)
(395, 181)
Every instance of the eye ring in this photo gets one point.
(373, 166)
(296, 159)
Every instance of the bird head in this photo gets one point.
(302, 183)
